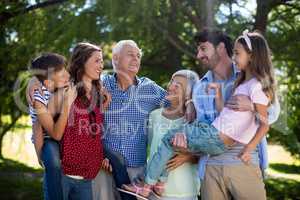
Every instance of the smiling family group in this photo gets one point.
(120, 136)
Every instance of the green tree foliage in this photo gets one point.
(163, 29)
(283, 34)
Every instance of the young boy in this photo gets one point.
(50, 74)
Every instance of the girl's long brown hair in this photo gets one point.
(81, 53)
(260, 64)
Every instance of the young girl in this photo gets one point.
(81, 145)
(252, 56)
(50, 74)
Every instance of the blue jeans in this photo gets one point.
(51, 161)
(45, 189)
(74, 189)
(200, 137)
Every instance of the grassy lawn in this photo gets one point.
(18, 181)
(282, 189)
(21, 176)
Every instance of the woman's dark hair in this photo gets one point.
(215, 37)
(260, 64)
(47, 63)
(80, 55)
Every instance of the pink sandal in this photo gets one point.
(139, 191)
(158, 189)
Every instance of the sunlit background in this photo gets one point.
(164, 30)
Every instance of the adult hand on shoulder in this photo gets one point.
(70, 94)
(107, 98)
(33, 85)
(240, 103)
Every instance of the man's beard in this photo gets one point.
(213, 61)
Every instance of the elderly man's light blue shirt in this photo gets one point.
(204, 102)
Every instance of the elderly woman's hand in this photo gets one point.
(179, 159)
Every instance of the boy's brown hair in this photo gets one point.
(47, 63)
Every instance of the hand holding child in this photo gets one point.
(245, 154)
(106, 165)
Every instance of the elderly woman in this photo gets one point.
(182, 182)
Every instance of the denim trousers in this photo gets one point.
(201, 138)
(76, 189)
(52, 176)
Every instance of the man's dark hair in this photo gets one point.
(215, 37)
(47, 63)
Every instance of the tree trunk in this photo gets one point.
(210, 15)
(173, 55)
(261, 17)
(263, 9)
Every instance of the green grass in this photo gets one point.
(285, 168)
(19, 188)
(7, 166)
(283, 189)
(18, 182)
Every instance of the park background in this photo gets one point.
(164, 29)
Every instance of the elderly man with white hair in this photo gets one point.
(133, 98)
